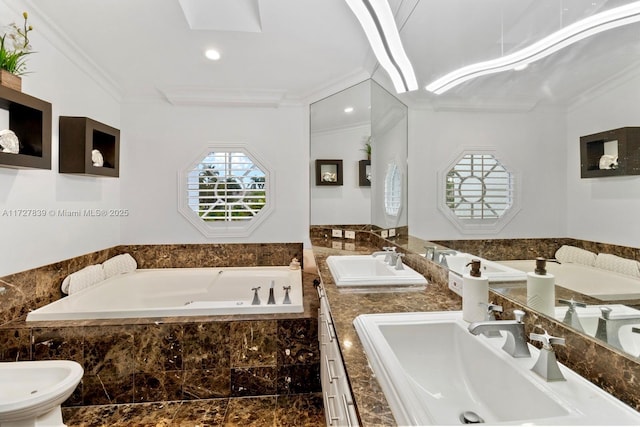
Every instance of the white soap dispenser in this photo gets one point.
(541, 289)
(475, 293)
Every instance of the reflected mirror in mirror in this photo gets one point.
(361, 123)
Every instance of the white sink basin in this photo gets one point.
(496, 272)
(589, 315)
(431, 370)
(367, 270)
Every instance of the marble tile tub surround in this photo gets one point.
(28, 290)
(613, 371)
(144, 360)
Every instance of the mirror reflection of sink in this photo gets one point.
(367, 270)
(432, 370)
(589, 315)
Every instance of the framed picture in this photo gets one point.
(328, 172)
(364, 173)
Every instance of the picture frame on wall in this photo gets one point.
(364, 173)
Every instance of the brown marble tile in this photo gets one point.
(90, 416)
(256, 381)
(106, 389)
(206, 345)
(159, 414)
(157, 386)
(15, 345)
(108, 350)
(302, 410)
(58, 343)
(207, 383)
(296, 343)
(201, 413)
(158, 347)
(251, 411)
(253, 343)
(293, 379)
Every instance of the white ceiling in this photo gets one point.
(297, 50)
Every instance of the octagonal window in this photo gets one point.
(478, 192)
(226, 191)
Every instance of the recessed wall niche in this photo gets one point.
(610, 153)
(79, 137)
(30, 119)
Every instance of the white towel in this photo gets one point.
(119, 264)
(630, 267)
(82, 279)
(576, 255)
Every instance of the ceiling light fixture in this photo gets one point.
(377, 21)
(212, 54)
(562, 38)
(348, 110)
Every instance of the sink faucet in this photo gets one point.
(608, 328)
(571, 316)
(490, 316)
(387, 251)
(440, 256)
(516, 343)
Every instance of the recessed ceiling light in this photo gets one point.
(348, 110)
(520, 67)
(212, 54)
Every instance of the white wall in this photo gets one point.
(28, 242)
(348, 203)
(531, 144)
(603, 209)
(163, 139)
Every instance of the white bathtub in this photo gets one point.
(605, 285)
(180, 292)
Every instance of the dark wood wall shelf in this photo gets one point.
(79, 136)
(328, 172)
(30, 120)
(364, 173)
(626, 145)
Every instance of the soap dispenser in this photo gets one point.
(541, 289)
(475, 293)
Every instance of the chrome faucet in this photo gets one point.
(440, 256)
(387, 251)
(571, 316)
(608, 328)
(547, 365)
(516, 343)
(398, 264)
(490, 316)
(256, 298)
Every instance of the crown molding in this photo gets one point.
(67, 47)
(216, 97)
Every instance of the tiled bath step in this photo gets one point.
(282, 410)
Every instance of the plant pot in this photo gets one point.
(10, 80)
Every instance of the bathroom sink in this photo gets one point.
(367, 270)
(434, 372)
(496, 272)
(589, 315)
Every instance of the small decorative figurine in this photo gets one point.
(608, 162)
(96, 158)
(9, 142)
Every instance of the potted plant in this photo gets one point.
(367, 148)
(14, 48)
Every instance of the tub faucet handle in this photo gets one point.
(286, 295)
(256, 298)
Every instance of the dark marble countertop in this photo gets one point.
(347, 305)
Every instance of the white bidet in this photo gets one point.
(31, 392)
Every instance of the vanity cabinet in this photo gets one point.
(339, 408)
(30, 119)
(79, 136)
(623, 144)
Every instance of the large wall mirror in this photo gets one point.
(364, 126)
